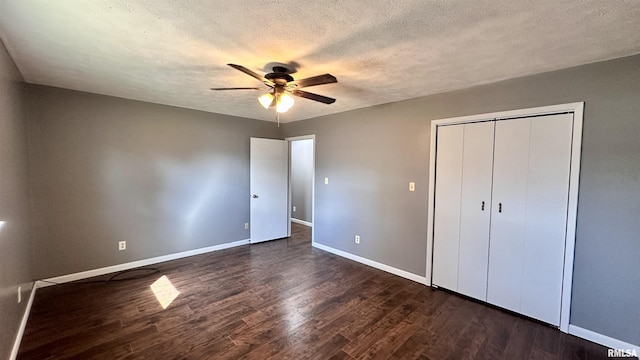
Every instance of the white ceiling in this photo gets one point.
(171, 52)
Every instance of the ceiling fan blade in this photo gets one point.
(312, 96)
(237, 88)
(316, 80)
(247, 71)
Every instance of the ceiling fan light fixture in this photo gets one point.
(266, 100)
(285, 102)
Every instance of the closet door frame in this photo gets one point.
(577, 109)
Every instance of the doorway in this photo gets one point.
(302, 181)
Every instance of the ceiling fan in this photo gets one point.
(283, 85)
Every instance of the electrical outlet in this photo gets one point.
(122, 245)
(246, 226)
(357, 239)
(19, 294)
(294, 209)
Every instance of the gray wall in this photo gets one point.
(105, 169)
(302, 179)
(371, 154)
(167, 180)
(15, 260)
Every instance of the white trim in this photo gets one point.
(289, 188)
(375, 264)
(23, 323)
(572, 217)
(313, 194)
(541, 110)
(302, 222)
(577, 109)
(601, 339)
(302, 137)
(139, 263)
(431, 201)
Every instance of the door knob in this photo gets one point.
(255, 196)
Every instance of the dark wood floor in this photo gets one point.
(282, 300)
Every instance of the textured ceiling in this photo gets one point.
(171, 52)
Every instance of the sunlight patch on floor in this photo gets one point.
(164, 291)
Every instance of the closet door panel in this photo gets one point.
(446, 220)
(477, 166)
(545, 226)
(508, 212)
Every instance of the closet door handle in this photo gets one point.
(499, 207)
(482, 206)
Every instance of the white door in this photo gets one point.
(446, 220)
(529, 215)
(475, 217)
(269, 189)
(546, 220)
(508, 213)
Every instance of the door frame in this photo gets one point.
(313, 184)
(577, 109)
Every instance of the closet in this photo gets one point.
(501, 204)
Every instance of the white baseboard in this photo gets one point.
(23, 323)
(602, 339)
(298, 221)
(375, 264)
(135, 264)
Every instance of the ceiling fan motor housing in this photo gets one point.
(280, 76)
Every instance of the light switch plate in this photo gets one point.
(326, 180)
(412, 186)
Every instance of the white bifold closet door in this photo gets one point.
(462, 207)
(529, 215)
(446, 221)
(475, 209)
